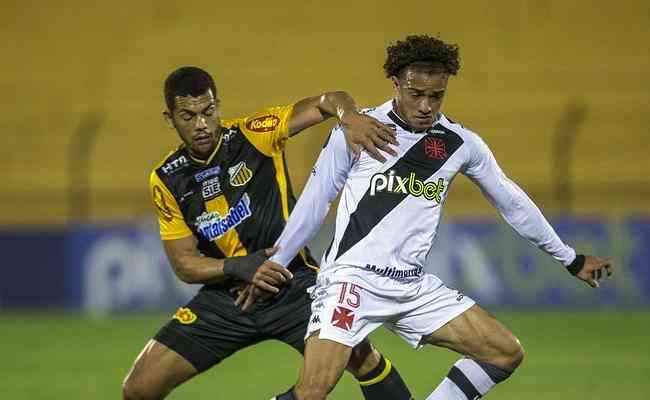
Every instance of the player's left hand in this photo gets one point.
(372, 135)
(594, 269)
(271, 276)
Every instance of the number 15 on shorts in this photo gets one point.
(350, 295)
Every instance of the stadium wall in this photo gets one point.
(82, 101)
(122, 268)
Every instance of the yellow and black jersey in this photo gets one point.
(236, 202)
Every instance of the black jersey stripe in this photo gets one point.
(262, 185)
(371, 210)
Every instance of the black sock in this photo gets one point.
(384, 383)
(469, 379)
(288, 395)
(495, 373)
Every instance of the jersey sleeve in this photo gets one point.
(513, 204)
(170, 219)
(327, 178)
(268, 130)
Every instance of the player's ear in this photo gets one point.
(168, 118)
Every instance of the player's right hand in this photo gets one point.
(362, 130)
(594, 269)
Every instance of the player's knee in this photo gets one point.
(129, 390)
(511, 356)
(517, 354)
(314, 391)
(134, 389)
(315, 386)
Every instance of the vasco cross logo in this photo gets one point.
(343, 318)
(392, 183)
(435, 148)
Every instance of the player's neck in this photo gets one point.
(403, 122)
(199, 158)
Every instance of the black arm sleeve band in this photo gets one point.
(576, 266)
(244, 267)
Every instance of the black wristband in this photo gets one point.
(244, 267)
(576, 266)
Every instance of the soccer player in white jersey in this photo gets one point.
(386, 221)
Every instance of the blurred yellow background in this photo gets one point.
(76, 73)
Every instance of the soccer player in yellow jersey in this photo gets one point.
(223, 197)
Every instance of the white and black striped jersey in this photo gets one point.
(389, 212)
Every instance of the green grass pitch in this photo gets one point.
(569, 355)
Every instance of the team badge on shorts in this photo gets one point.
(342, 318)
(185, 316)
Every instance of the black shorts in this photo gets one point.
(210, 327)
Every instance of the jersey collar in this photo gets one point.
(404, 125)
(208, 160)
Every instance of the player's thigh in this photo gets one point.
(479, 335)
(200, 335)
(325, 361)
(287, 316)
(155, 372)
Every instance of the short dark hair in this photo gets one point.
(184, 81)
(421, 51)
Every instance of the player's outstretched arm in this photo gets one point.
(524, 216)
(360, 130)
(191, 267)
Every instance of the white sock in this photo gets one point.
(468, 380)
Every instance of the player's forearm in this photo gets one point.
(198, 269)
(513, 204)
(327, 179)
(337, 104)
(527, 220)
(314, 110)
(304, 223)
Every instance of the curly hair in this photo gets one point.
(421, 50)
